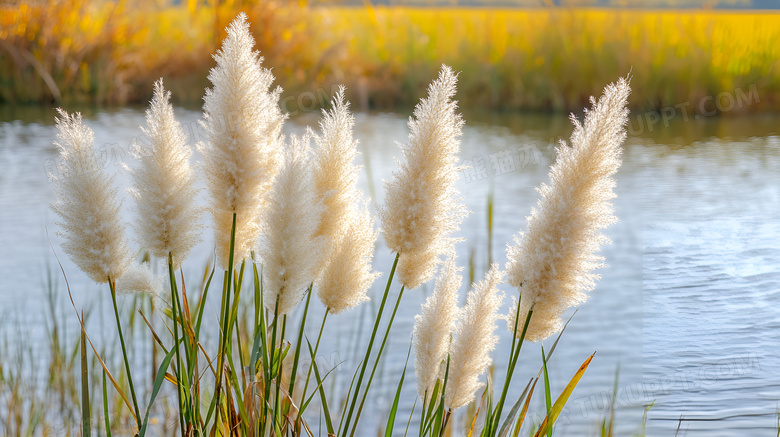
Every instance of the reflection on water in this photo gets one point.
(688, 307)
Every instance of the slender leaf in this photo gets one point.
(158, 380)
(105, 407)
(564, 396)
(394, 408)
(547, 396)
(325, 409)
(86, 415)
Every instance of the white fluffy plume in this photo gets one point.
(88, 205)
(243, 122)
(139, 278)
(552, 262)
(474, 340)
(433, 327)
(347, 273)
(421, 209)
(290, 250)
(335, 174)
(164, 184)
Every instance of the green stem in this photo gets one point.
(175, 304)
(311, 365)
(294, 370)
(124, 354)
(271, 356)
(280, 369)
(225, 315)
(370, 345)
(511, 369)
(376, 361)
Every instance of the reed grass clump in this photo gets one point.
(314, 233)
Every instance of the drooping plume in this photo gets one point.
(139, 278)
(164, 184)
(347, 273)
(241, 154)
(552, 262)
(335, 175)
(474, 340)
(290, 250)
(421, 210)
(434, 325)
(87, 204)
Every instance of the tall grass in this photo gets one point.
(551, 59)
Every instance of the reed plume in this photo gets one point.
(139, 278)
(433, 327)
(335, 175)
(164, 184)
(552, 262)
(421, 210)
(347, 273)
(241, 155)
(473, 340)
(88, 205)
(290, 250)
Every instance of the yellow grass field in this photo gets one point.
(549, 59)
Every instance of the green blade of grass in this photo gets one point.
(325, 408)
(394, 408)
(411, 414)
(297, 355)
(512, 412)
(557, 407)
(105, 407)
(376, 361)
(521, 418)
(158, 380)
(85, 410)
(547, 396)
(368, 349)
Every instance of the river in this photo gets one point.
(688, 306)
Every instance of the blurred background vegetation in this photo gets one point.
(518, 54)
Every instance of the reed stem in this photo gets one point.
(174, 309)
(112, 286)
(370, 345)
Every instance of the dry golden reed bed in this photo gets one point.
(89, 51)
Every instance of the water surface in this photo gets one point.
(687, 307)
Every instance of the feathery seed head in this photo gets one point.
(88, 205)
(421, 210)
(291, 252)
(414, 268)
(164, 184)
(243, 122)
(474, 340)
(139, 278)
(347, 274)
(433, 326)
(335, 176)
(552, 262)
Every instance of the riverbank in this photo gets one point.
(533, 59)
